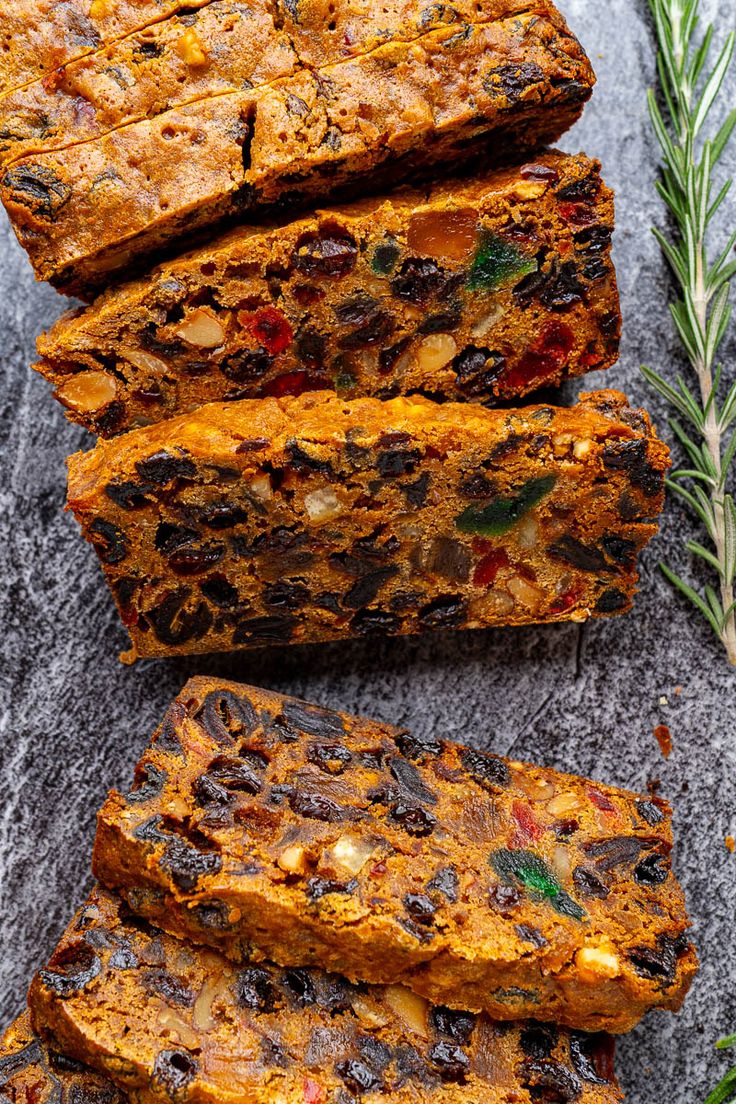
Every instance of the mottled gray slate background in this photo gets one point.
(581, 699)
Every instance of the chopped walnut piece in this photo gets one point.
(88, 391)
(203, 329)
(409, 1007)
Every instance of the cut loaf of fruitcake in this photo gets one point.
(276, 521)
(483, 289)
(260, 824)
(86, 210)
(168, 1022)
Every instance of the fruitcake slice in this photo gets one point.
(39, 36)
(31, 1073)
(168, 1021)
(261, 823)
(508, 84)
(276, 521)
(481, 289)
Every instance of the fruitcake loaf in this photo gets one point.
(30, 1073)
(167, 1021)
(262, 824)
(223, 48)
(88, 210)
(484, 289)
(274, 521)
(226, 46)
(38, 36)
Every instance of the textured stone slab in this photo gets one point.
(75, 721)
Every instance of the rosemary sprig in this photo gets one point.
(704, 426)
(725, 1092)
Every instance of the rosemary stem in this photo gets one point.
(714, 443)
(712, 436)
(688, 180)
(713, 439)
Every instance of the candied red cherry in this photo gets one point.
(544, 359)
(567, 599)
(307, 295)
(489, 566)
(293, 383)
(270, 327)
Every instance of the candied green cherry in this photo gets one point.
(345, 383)
(501, 514)
(533, 874)
(497, 262)
(385, 256)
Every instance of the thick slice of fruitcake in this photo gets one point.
(259, 823)
(481, 289)
(277, 521)
(167, 1021)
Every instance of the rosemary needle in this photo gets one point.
(725, 1092)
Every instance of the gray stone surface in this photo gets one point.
(585, 700)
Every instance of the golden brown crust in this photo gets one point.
(39, 36)
(508, 84)
(169, 1022)
(323, 32)
(223, 48)
(312, 518)
(259, 823)
(484, 289)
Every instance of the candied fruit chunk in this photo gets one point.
(535, 876)
(497, 262)
(385, 256)
(293, 383)
(489, 566)
(448, 235)
(544, 359)
(501, 514)
(270, 328)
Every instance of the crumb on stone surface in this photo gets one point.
(663, 736)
